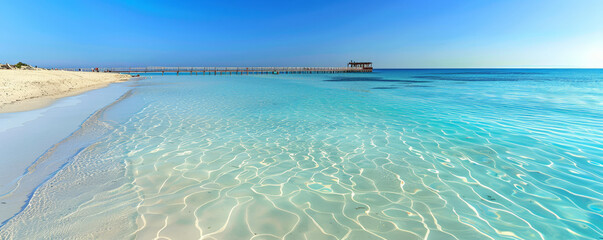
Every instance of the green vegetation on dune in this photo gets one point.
(20, 64)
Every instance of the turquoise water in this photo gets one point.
(395, 154)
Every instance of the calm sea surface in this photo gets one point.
(394, 154)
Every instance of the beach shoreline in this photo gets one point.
(25, 90)
(21, 172)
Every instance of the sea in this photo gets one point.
(392, 154)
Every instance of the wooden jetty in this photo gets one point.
(351, 68)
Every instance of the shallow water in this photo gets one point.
(395, 154)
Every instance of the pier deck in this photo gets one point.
(228, 70)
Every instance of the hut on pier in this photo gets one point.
(365, 66)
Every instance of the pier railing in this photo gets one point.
(225, 70)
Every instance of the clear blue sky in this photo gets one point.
(393, 34)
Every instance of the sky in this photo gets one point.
(392, 34)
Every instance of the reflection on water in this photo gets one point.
(298, 157)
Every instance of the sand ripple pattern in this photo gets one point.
(293, 157)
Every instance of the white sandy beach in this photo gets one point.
(22, 90)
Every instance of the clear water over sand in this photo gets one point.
(396, 154)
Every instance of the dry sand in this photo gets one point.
(22, 90)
